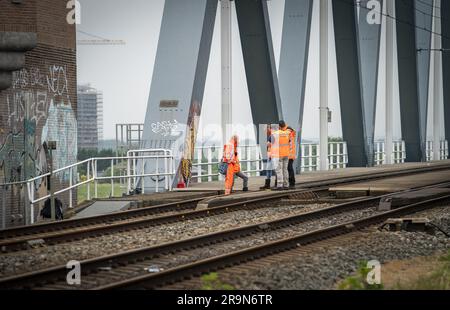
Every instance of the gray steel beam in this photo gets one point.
(179, 76)
(294, 63)
(344, 15)
(445, 20)
(260, 70)
(424, 23)
(369, 35)
(408, 81)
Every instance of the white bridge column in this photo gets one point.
(323, 148)
(390, 7)
(437, 60)
(226, 51)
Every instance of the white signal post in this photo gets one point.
(323, 147)
(388, 146)
(437, 60)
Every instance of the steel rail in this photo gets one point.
(69, 230)
(38, 278)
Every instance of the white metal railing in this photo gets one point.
(132, 165)
(207, 159)
(398, 152)
(94, 177)
(206, 162)
(443, 151)
(310, 159)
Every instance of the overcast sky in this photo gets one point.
(124, 73)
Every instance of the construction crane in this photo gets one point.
(97, 40)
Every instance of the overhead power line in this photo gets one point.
(98, 40)
(358, 4)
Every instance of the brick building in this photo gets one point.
(41, 102)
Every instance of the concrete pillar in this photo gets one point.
(13, 46)
(5, 79)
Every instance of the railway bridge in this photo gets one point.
(155, 215)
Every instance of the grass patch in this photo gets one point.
(103, 190)
(211, 281)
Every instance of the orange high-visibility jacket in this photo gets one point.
(292, 145)
(281, 143)
(230, 154)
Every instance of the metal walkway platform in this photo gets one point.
(256, 182)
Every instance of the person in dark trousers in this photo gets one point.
(269, 165)
(292, 157)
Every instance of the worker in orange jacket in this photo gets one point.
(230, 156)
(280, 149)
(292, 157)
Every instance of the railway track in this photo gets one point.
(71, 230)
(138, 222)
(156, 266)
(197, 268)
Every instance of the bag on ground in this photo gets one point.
(46, 212)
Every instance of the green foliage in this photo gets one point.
(117, 171)
(103, 191)
(91, 153)
(359, 281)
(211, 281)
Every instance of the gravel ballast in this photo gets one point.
(184, 257)
(59, 254)
(323, 268)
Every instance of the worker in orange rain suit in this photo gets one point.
(292, 157)
(230, 156)
(280, 150)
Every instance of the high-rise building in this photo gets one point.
(90, 117)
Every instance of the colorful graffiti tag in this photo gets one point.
(39, 109)
(59, 127)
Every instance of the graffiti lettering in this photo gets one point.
(61, 126)
(26, 105)
(165, 127)
(39, 109)
(57, 80)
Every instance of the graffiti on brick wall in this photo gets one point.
(59, 127)
(11, 154)
(39, 109)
